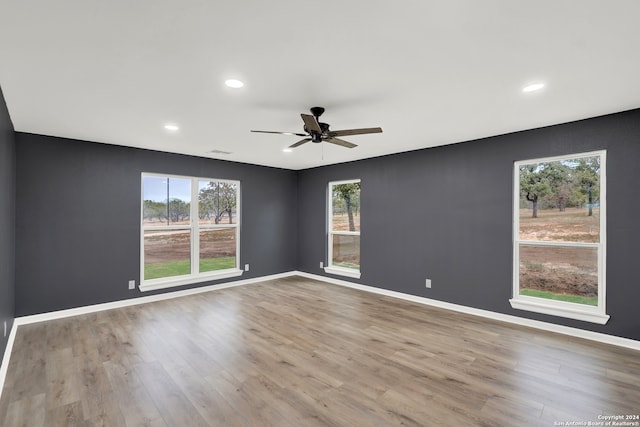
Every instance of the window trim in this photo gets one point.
(195, 227)
(330, 268)
(553, 307)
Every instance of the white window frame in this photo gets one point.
(561, 308)
(330, 268)
(195, 276)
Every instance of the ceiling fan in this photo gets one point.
(316, 131)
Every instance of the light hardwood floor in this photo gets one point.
(297, 352)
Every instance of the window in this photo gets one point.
(190, 230)
(559, 236)
(344, 228)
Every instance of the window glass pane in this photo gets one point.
(217, 202)
(154, 211)
(559, 273)
(179, 201)
(560, 200)
(345, 202)
(217, 249)
(166, 201)
(346, 251)
(166, 253)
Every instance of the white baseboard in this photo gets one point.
(60, 314)
(4, 367)
(551, 327)
(565, 330)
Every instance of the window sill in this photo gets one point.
(152, 285)
(343, 272)
(568, 310)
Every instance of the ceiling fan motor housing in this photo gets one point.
(318, 136)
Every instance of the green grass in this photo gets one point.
(347, 265)
(560, 297)
(179, 268)
(213, 264)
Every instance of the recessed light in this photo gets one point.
(287, 150)
(532, 87)
(233, 83)
(171, 127)
(216, 151)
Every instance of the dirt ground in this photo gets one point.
(560, 269)
(163, 246)
(341, 222)
(572, 225)
(346, 249)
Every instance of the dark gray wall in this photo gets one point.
(78, 210)
(446, 213)
(7, 223)
(443, 213)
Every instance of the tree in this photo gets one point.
(153, 209)
(350, 195)
(534, 184)
(178, 210)
(558, 175)
(587, 178)
(216, 200)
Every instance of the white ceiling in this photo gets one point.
(428, 72)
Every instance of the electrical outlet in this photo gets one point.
(246, 267)
(321, 264)
(132, 284)
(428, 283)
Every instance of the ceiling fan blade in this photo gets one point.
(354, 131)
(281, 133)
(299, 143)
(341, 142)
(311, 123)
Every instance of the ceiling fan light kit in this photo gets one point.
(316, 131)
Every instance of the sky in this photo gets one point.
(155, 188)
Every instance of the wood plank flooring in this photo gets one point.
(297, 352)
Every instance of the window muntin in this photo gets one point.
(184, 242)
(559, 236)
(344, 228)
